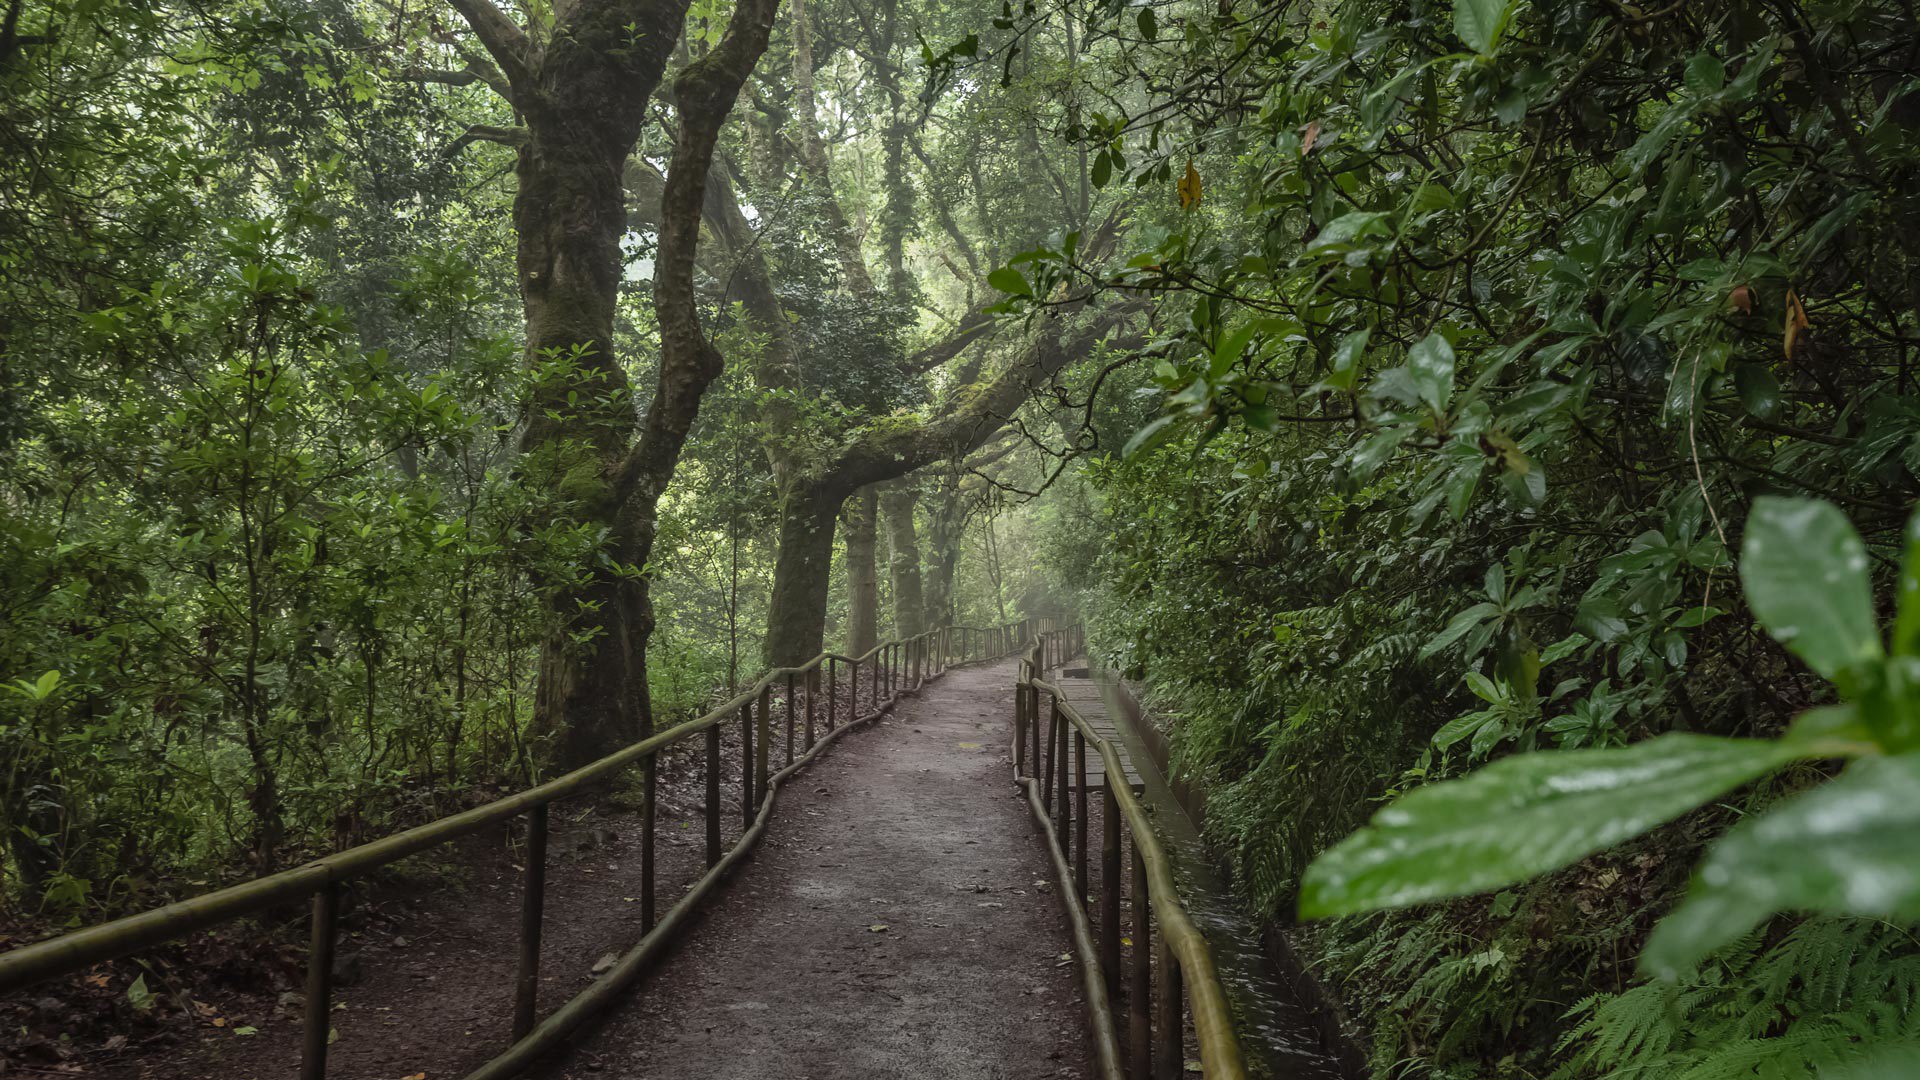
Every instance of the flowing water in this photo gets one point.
(1278, 1034)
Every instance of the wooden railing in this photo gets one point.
(1169, 972)
(892, 668)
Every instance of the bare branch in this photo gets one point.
(503, 40)
(515, 137)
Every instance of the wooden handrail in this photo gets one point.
(897, 667)
(1186, 948)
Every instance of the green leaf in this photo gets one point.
(1010, 281)
(1430, 362)
(1102, 170)
(1149, 23)
(1805, 572)
(1346, 360)
(1850, 846)
(1906, 620)
(1759, 391)
(1480, 23)
(1153, 434)
(1458, 626)
(1705, 74)
(1347, 229)
(1526, 815)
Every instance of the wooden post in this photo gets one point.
(1169, 1017)
(1019, 730)
(649, 814)
(1140, 988)
(789, 718)
(1049, 767)
(1080, 811)
(763, 734)
(713, 795)
(1066, 793)
(1033, 709)
(813, 691)
(746, 764)
(1110, 888)
(319, 1018)
(853, 698)
(833, 681)
(533, 902)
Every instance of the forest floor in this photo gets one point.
(895, 921)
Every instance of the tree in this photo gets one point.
(584, 90)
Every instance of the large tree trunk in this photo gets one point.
(943, 537)
(583, 91)
(863, 575)
(909, 605)
(796, 614)
(569, 214)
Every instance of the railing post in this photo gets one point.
(853, 698)
(649, 814)
(713, 795)
(833, 692)
(1080, 811)
(1140, 990)
(1033, 710)
(1051, 766)
(813, 691)
(763, 735)
(1066, 792)
(746, 764)
(1170, 1047)
(319, 1011)
(1110, 887)
(533, 902)
(1019, 730)
(789, 717)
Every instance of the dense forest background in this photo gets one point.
(1388, 383)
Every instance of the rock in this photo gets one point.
(605, 964)
(348, 969)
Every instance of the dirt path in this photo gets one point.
(895, 922)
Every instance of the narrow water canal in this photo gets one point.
(1278, 1033)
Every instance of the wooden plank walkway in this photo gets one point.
(1084, 694)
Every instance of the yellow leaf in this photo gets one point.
(1797, 322)
(1307, 139)
(1189, 188)
(879, 928)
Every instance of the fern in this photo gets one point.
(1820, 997)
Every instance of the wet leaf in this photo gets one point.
(1847, 847)
(1526, 815)
(1805, 572)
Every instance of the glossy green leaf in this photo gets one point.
(1154, 433)
(1430, 362)
(1805, 572)
(1480, 23)
(1759, 391)
(1458, 626)
(1850, 846)
(1010, 281)
(1524, 816)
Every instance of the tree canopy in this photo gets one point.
(1487, 429)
